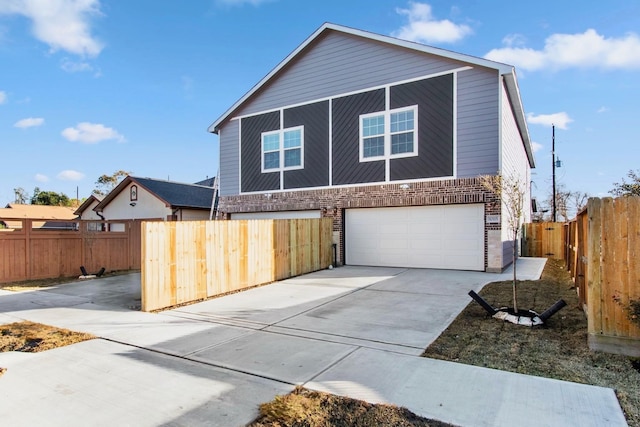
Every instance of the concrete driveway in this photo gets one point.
(351, 330)
(402, 310)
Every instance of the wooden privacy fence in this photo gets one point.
(577, 253)
(28, 252)
(190, 261)
(543, 239)
(612, 272)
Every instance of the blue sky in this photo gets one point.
(88, 87)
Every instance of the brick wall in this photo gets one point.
(333, 201)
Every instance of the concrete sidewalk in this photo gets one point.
(354, 331)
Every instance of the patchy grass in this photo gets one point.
(32, 337)
(35, 337)
(557, 350)
(30, 285)
(305, 408)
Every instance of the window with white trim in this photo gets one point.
(283, 149)
(389, 134)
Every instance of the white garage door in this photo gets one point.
(449, 237)
(277, 215)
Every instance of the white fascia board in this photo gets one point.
(513, 92)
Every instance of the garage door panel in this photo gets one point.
(450, 236)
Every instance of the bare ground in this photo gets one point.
(35, 284)
(557, 350)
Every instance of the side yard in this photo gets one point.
(559, 350)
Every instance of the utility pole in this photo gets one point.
(553, 161)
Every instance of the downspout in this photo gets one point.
(103, 225)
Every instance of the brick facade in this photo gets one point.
(333, 201)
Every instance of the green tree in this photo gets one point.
(625, 188)
(49, 198)
(106, 183)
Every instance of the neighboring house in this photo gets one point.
(85, 210)
(388, 138)
(45, 217)
(146, 198)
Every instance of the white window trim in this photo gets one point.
(387, 134)
(281, 150)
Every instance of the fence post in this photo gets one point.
(27, 225)
(594, 315)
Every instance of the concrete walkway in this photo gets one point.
(354, 331)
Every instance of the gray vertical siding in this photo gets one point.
(251, 175)
(347, 168)
(434, 98)
(315, 119)
(230, 159)
(340, 63)
(478, 122)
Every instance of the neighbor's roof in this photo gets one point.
(85, 205)
(14, 210)
(206, 182)
(507, 71)
(173, 194)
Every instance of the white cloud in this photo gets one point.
(61, 24)
(603, 109)
(582, 50)
(75, 67)
(561, 120)
(514, 40)
(423, 28)
(536, 146)
(29, 122)
(70, 175)
(91, 133)
(41, 178)
(3, 97)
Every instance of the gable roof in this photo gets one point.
(173, 194)
(85, 205)
(206, 182)
(505, 70)
(15, 210)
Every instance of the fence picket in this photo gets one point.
(230, 256)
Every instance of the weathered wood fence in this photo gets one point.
(543, 239)
(29, 252)
(189, 261)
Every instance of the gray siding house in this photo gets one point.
(388, 138)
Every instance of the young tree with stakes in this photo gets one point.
(511, 191)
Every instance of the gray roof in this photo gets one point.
(177, 194)
(173, 194)
(206, 182)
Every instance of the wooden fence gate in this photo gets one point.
(543, 239)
